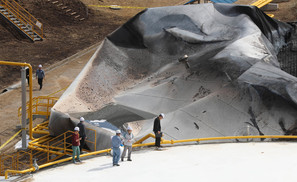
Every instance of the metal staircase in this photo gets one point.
(21, 19)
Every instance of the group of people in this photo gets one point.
(79, 136)
(117, 141)
(40, 75)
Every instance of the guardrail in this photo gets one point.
(18, 161)
(139, 144)
(41, 106)
(23, 16)
(95, 138)
(261, 3)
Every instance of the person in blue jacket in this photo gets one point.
(116, 143)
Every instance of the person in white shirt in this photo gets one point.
(128, 141)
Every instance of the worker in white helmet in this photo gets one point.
(157, 130)
(75, 144)
(128, 141)
(82, 133)
(116, 143)
(40, 76)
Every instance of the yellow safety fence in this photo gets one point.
(41, 106)
(261, 3)
(139, 144)
(23, 16)
(18, 161)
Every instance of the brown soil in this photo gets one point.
(64, 37)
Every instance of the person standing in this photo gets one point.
(75, 145)
(157, 130)
(27, 74)
(116, 143)
(128, 141)
(82, 133)
(40, 76)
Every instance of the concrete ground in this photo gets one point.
(244, 162)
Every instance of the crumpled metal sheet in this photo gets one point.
(232, 80)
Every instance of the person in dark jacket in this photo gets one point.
(40, 76)
(82, 133)
(75, 144)
(27, 74)
(157, 129)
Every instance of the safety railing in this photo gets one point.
(60, 145)
(41, 106)
(41, 128)
(140, 144)
(163, 141)
(93, 142)
(19, 161)
(23, 16)
(6, 162)
(261, 3)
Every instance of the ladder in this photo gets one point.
(21, 19)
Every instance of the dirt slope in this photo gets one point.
(64, 37)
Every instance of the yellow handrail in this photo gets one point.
(147, 144)
(95, 138)
(261, 3)
(24, 16)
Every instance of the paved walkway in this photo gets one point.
(58, 76)
(229, 162)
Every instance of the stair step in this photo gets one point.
(60, 4)
(35, 39)
(77, 16)
(64, 7)
(68, 10)
(73, 13)
(81, 19)
(55, 2)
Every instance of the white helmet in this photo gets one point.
(118, 132)
(40, 66)
(82, 119)
(76, 129)
(129, 128)
(163, 115)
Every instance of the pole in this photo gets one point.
(30, 92)
(24, 109)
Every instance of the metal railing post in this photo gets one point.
(24, 112)
(64, 143)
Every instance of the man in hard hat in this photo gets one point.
(116, 143)
(157, 130)
(75, 144)
(40, 76)
(128, 141)
(82, 133)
